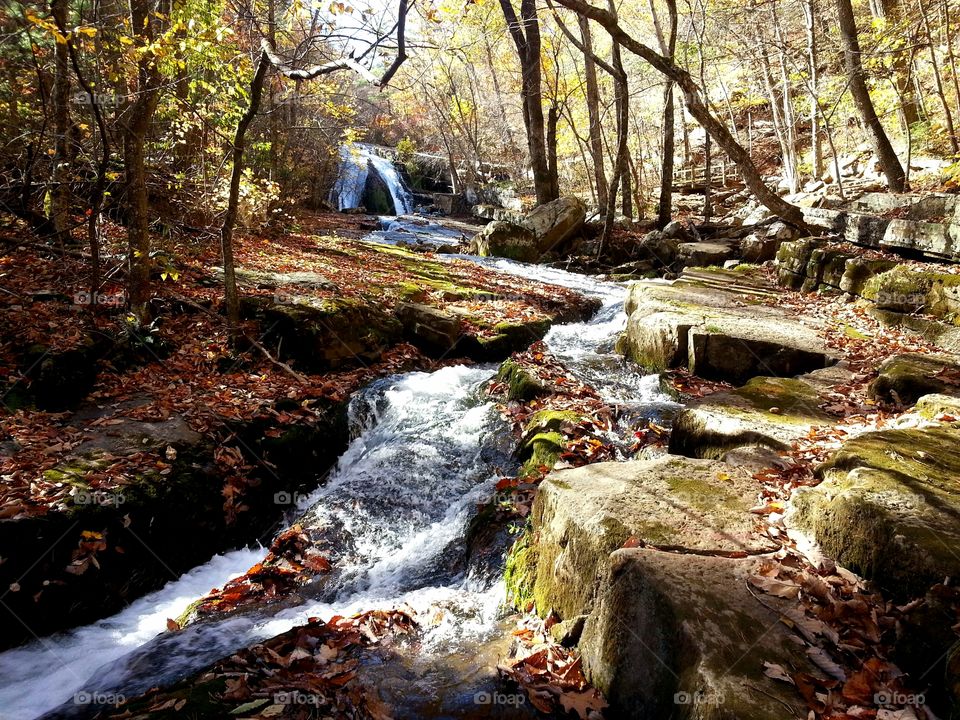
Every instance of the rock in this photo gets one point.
(582, 515)
(432, 329)
(766, 412)
(658, 249)
(703, 254)
(262, 279)
(781, 231)
(675, 231)
(521, 384)
(505, 239)
(681, 636)
(858, 271)
(705, 325)
(324, 334)
(904, 378)
(556, 222)
(756, 249)
(792, 261)
(933, 407)
(889, 508)
(825, 269)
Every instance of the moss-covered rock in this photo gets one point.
(506, 239)
(323, 334)
(521, 383)
(540, 450)
(889, 507)
(904, 378)
(793, 258)
(703, 322)
(582, 515)
(766, 412)
(935, 406)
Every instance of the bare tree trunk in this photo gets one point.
(138, 117)
(951, 58)
(902, 67)
(668, 46)
(935, 64)
(816, 151)
(525, 32)
(60, 176)
(231, 297)
(593, 108)
(889, 162)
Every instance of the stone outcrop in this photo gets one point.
(905, 378)
(889, 507)
(680, 636)
(767, 412)
(707, 323)
(545, 229)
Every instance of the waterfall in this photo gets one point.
(357, 160)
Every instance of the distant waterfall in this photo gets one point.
(356, 163)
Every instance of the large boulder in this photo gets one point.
(556, 222)
(905, 378)
(889, 507)
(766, 412)
(502, 238)
(681, 636)
(582, 515)
(716, 325)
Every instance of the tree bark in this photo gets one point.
(525, 32)
(137, 120)
(889, 162)
(668, 46)
(816, 150)
(231, 297)
(60, 175)
(593, 108)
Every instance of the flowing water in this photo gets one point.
(357, 161)
(427, 448)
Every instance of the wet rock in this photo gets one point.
(521, 383)
(677, 635)
(582, 515)
(889, 508)
(904, 378)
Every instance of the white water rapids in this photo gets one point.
(428, 448)
(356, 162)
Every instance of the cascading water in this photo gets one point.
(428, 448)
(357, 160)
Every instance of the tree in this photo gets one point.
(525, 31)
(887, 156)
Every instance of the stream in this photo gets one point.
(426, 449)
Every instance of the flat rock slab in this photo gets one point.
(716, 326)
(703, 254)
(680, 636)
(905, 378)
(767, 412)
(889, 507)
(582, 515)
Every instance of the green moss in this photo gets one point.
(551, 420)
(541, 450)
(521, 384)
(521, 571)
